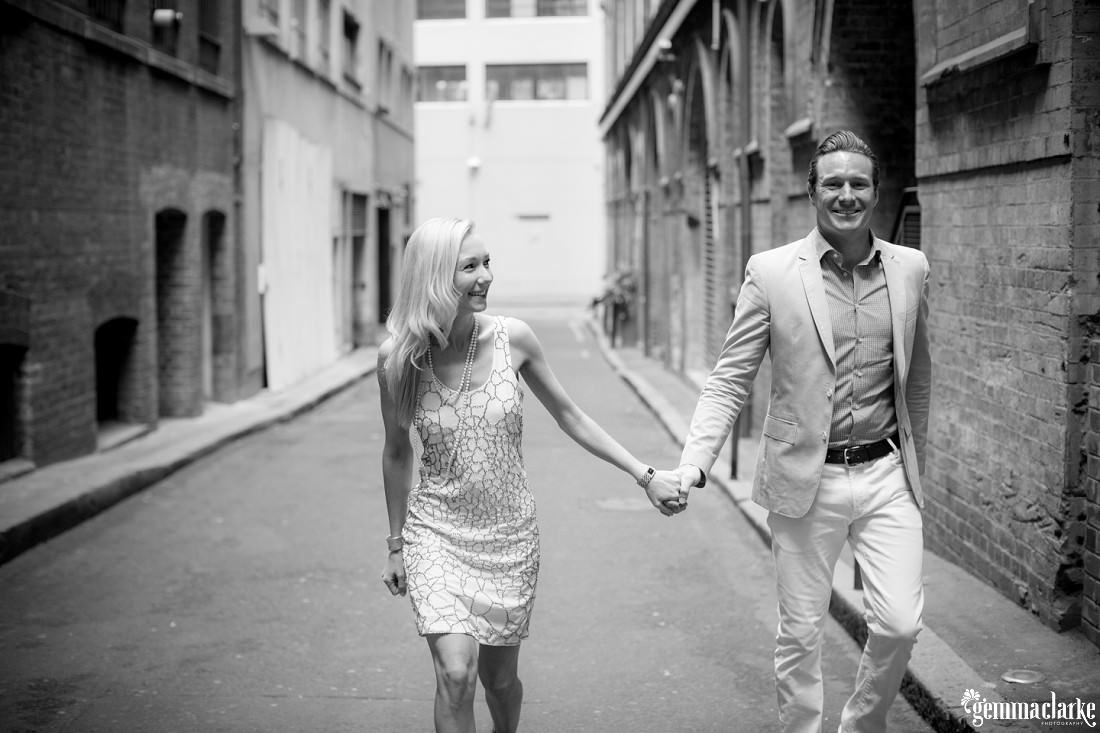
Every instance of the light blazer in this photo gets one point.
(782, 309)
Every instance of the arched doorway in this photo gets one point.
(114, 347)
(174, 319)
(11, 369)
(15, 313)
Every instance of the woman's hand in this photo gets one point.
(664, 493)
(394, 574)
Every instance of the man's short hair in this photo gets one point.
(841, 141)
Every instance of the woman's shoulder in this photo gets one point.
(517, 329)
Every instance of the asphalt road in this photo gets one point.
(242, 594)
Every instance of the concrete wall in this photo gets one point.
(338, 111)
(535, 194)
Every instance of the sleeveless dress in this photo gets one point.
(471, 539)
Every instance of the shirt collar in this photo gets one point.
(822, 248)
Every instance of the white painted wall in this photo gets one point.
(298, 266)
(537, 195)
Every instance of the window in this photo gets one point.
(442, 84)
(324, 40)
(534, 8)
(406, 100)
(210, 44)
(108, 12)
(537, 81)
(298, 27)
(440, 9)
(384, 82)
(269, 11)
(351, 49)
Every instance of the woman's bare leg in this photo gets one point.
(498, 667)
(456, 663)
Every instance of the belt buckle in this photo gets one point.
(855, 454)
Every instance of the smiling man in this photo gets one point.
(843, 315)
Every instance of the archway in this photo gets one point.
(114, 347)
(174, 318)
(11, 370)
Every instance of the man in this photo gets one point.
(844, 316)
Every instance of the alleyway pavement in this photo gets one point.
(973, 635)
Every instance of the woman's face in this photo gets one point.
(472, 274)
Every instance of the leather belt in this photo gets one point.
(855, 454)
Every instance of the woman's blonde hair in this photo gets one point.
(424, 308)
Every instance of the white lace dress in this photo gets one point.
(471, 539)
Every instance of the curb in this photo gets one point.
(145, 468)
(935, 672)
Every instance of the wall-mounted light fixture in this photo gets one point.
(166, 17)
(664, 50)
(677, 91)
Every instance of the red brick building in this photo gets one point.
(118, 279)
(986, 118)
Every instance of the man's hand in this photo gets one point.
(687, 477)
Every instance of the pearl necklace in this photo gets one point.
(463, 386)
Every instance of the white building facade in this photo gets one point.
(509, 96)
(326, 166)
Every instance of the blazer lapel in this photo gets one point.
(895, 286)
(810, 269)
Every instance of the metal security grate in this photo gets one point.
(910, 228)
(907, 223)
(713, 319)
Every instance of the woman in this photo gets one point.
(464, 541)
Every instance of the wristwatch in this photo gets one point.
(646, 477)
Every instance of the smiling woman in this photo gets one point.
(464, 542)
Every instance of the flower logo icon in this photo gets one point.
(970, 696)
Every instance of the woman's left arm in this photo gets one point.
(531, 363)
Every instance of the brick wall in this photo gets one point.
(96, 142)
(1090, 601)
(1001, 267)
(1086, 235)
(1000, 184)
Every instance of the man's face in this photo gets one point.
(845, 195)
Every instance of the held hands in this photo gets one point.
(688, 476)
(665, 494)
(685, 478)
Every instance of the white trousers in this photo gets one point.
(871, 507)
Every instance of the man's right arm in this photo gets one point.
(729, 383)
